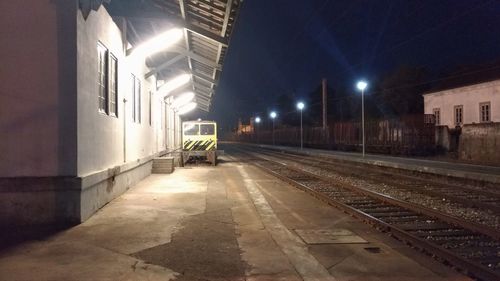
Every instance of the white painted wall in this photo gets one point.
(470, 97)
(38, 88)
(49, 119)
(105, 141)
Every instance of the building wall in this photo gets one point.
(38, 88)
(60, 158)
(470, 97)
(105, 141)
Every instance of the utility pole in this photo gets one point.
(324, 93)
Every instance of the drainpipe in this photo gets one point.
(124, 131)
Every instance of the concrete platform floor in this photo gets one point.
(230, 222)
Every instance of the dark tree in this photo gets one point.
(401, 92)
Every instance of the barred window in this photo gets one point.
(113, 85)
(102, 77)
(485, 112)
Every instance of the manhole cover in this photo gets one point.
(329, 236)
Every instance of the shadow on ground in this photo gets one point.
(13, 235)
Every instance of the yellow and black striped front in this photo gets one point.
(199, 135)
(191, 145)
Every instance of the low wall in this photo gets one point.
(480, 143)
(66, 200)
(447, 139)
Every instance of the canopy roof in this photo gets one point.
(207, 26)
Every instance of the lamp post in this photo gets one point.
(257, 121)
(300, 107)
(273, 115)
(361, 85)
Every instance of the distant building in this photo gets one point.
(245, 128)
(478, 103)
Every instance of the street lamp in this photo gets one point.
(273, 115)
(257, 121)
(361, 85)
(300, 106)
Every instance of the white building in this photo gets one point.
(478, 103)
(81, 119)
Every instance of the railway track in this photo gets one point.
(468, 247)
(485, 200)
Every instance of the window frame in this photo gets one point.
(209, 125)
(150, 108)
(138, 90)
(437, 117)
(136, 98)
(102, 78)
(187, 132)
(455, 115)
(481, 115)
(112, 85)
(132, 84)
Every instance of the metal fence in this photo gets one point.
(408, 135)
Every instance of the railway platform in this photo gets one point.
(229, 222)
(487, 174)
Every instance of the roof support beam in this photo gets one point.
(164, 65)
(203, 98)
(202, 101)
(203, 77)
(204, 107)
(204, 88)
(196, 57)
(226, 17)
(179, 22)
(183, 53)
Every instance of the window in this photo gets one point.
(437, 115)
(102, 77)
(150, 108)
(459, 114)
(191, 129)
(136, 98)
(113, 85)
(485, 112)
(207, 129)
(107, 81)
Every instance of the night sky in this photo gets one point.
(287, 46)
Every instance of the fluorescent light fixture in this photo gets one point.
(257, 119)
(300, 105)
(187, 108)
(158, 43)
(273, 114)
(183, 99)
(362, 85)
(173, 84)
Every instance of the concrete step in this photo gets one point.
(163, 165)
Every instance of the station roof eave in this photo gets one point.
(207, 27)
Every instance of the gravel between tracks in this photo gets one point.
(440, 204)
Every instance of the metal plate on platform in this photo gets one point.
(329, 236)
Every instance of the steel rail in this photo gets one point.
(472, 267)
(425, 187)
